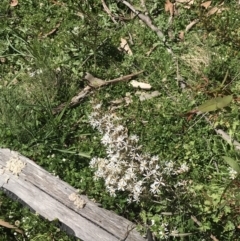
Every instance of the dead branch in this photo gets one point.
(145, 19)
(108, 11)
(190, 25)
(123, 78)
(200, 224)
(93, 83)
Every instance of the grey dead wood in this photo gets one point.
(48, 196)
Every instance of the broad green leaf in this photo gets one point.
(216, 103)
(232, 163)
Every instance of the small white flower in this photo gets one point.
(97, 107)
(122, 184)
(119, 128)
(154, 159)
(147, 175)
(94, 123)
(134, 138)
(183, 168)
(111, 190)
(232, 173)
(106, 139)
(120, 141)
(143, 166)
(154, 188)
(168, 167)
(93, 162)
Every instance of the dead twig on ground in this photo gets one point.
(93, 83)
(106, 9)
(146, 19)
(200, 224)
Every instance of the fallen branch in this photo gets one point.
(96, 82)
(93, 83)
(200, 224)
(145, 19)
(106, 9)
(225, 136)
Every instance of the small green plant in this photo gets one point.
(142, 159)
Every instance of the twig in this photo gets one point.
(123, 78)
(88, 89)
(225, 136)
(108, 11)
(190, 25)
(145, 19)
(200, 224)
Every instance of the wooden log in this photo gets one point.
(53, 198)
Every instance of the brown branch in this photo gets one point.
(88, 89)
(123, 78)
(190, 25)
(108, 11)
(145, 19)
(200, 224)
(225, 136)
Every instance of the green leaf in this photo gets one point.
(232, 163)
(216, 103)
(83, 154)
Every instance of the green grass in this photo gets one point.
(45, 49)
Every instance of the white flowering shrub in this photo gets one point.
(126, 168)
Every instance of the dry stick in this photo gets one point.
(200, 224)
(123, 78)
(190, 25)
(87, 90)
(225, 136)
(145, 19)
(108, 11)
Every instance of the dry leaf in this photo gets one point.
(181, 35)
(212, 11)
(152, 49)
(146, 96)
(185, 1)
(206, 4)
(2, 60)
(52, 31)
(124, 45)
(8, 225)
(213, 238)
(221, 9)
(188, 3)
(126, 101)
(140, 85)
(93, 81)
(190, 25)
(169, 7)
(14, 3)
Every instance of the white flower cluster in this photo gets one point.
(232, 173)
(125, 168)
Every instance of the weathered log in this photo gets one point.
(53, 198)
